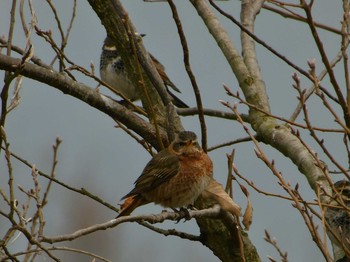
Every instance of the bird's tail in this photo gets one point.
(130, 203)
(177, 101)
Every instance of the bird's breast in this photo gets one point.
(183, 189)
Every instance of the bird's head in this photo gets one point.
(186, 143)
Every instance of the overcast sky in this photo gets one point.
(104, 160)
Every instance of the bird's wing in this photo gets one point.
(161, 71)
(161, 168)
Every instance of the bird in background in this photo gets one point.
(112, 71)
(173, 178)
(338, 217)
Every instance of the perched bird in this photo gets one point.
(174, 178)
(338, 217)
(112, 71)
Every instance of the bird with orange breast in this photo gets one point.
(174, 177)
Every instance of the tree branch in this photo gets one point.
(86, 94)
(214, 212)
(155, 98)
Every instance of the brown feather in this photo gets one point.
(160, 169)
(130, 204)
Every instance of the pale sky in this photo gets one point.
(104, 160)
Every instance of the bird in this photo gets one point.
(338, 217)
(173, 178)
(113, 72)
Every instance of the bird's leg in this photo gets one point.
(184, 211)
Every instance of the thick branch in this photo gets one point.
(267, 128)
(138, 64)
(85, 94)
(248, 14)
(225, 238)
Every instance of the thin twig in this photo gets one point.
(151, 110)
(190, 73)
(210, 112)
(228, 187)
(319, 78)
(170, 232)
(273, 242)
(292, 15)
(322, 51)
(312, 129)
(93, 255)
(286, 186)
(259, 41)
(81, 191)
(241, 100)
(230, 143)
(142, 142)
(36, 60)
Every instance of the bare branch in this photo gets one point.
(210, 112)
(171, 232)
(293, 15)
(85, 94)
(274, 243)
(81, 191)
(190, 73)
(213, 212)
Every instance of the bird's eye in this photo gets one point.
(178, 145)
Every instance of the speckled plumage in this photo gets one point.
(113, 72)
(338, 217)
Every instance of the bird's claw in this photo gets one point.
(183, 214)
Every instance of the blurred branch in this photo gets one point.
(81, 191)
(273, 242)
(90, 254)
